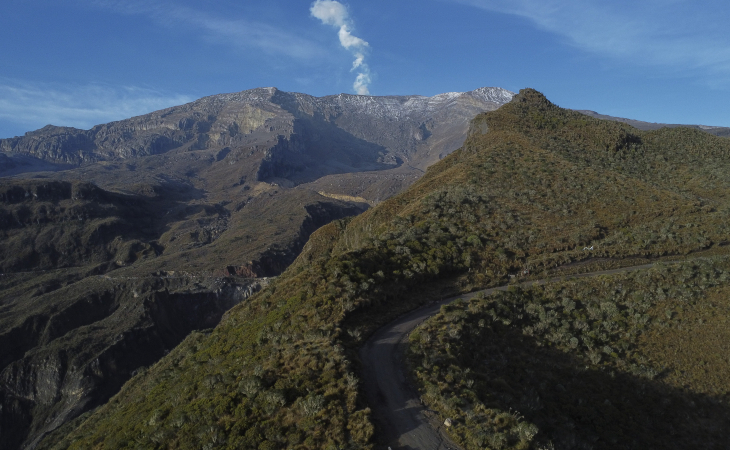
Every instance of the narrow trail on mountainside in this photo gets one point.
(403, 421)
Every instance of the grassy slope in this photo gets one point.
(533, 191)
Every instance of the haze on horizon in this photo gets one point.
(85, 62)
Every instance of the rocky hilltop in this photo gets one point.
(118, 241)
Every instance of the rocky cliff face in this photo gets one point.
(57, 224)
(84, 346)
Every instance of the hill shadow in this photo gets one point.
(579, 407)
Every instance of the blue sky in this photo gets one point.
(83, 62)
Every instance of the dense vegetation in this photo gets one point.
(588, 363)
(532, 192)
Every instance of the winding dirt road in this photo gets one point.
(402, 420)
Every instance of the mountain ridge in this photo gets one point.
(100, 136)
(642, 125)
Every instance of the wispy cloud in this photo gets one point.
(34, 105)
(237, 32)
(678, 35)
(334, 13)
(245, 34)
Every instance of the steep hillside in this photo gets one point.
(60, 224)
(534, 187)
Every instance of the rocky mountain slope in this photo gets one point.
(535, 190)
(116, 242)
(276, 134)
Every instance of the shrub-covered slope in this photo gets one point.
(629, 361)
(532, 187)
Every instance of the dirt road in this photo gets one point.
(404, 423)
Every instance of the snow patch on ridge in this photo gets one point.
(393, 107)
(493, 94)
(447, 96)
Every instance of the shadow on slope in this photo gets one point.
(574, 406)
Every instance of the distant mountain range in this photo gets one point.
(372, 131)
(646, 126)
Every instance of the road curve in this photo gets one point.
(403, 421)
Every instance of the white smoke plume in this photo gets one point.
(334, 13)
